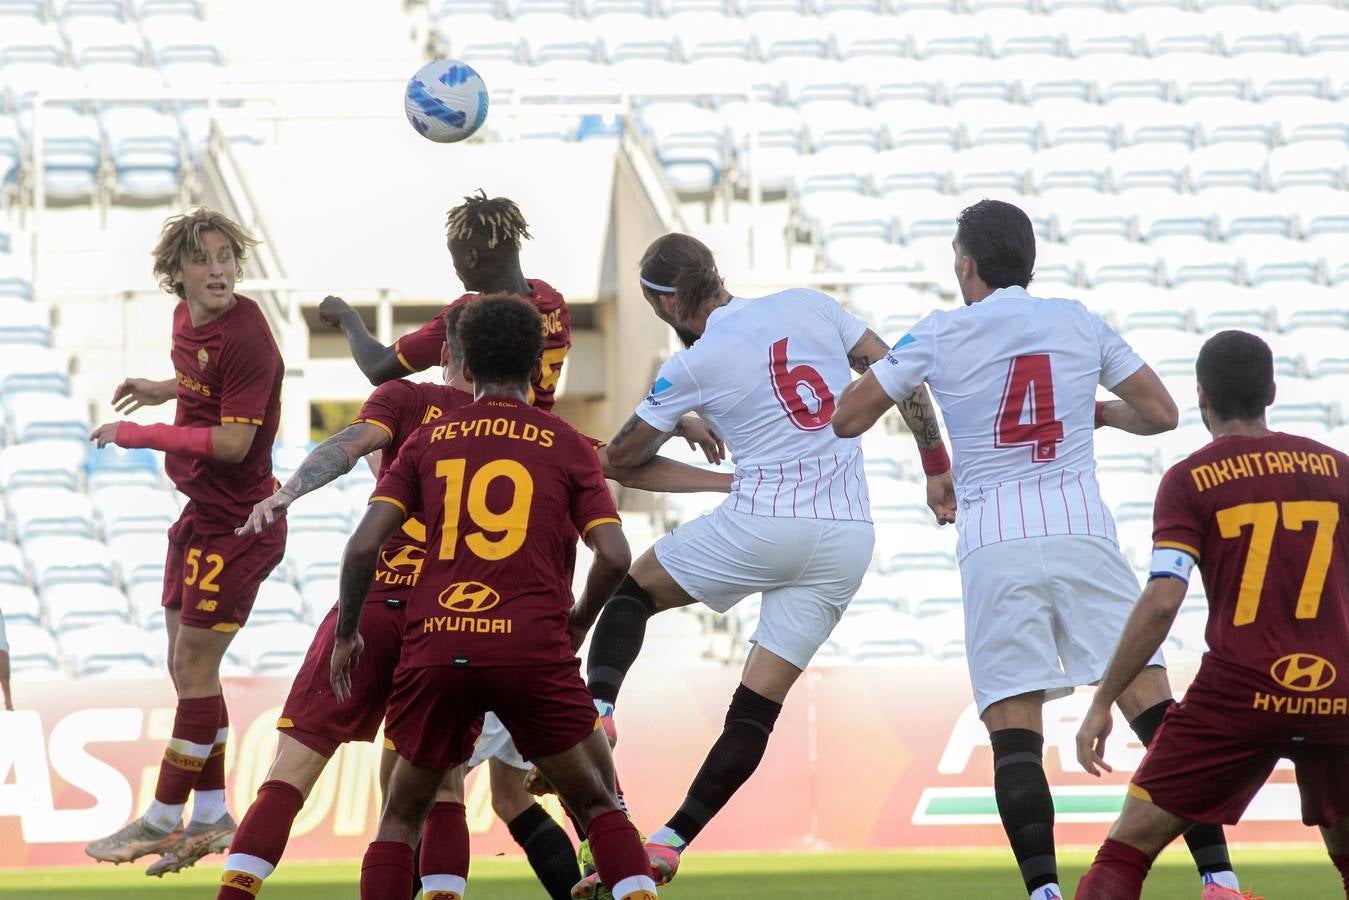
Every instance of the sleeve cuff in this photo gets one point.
(376, 422)
(607, 520)
(391, 500)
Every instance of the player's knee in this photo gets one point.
(196, 674)
(510, 804)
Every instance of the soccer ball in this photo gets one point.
(446, 101)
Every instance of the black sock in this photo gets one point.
(1025, 804)
(549, 850)
(730, 762)
(618, 639)
(1207, 843)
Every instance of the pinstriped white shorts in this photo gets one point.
(1044, 613)
(807, 570)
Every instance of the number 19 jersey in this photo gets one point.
(766, 374)
(1016, 379)
(1263, 518)
(504, 489)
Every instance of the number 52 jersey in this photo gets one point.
(766, 374)
(1016, 379)
(1264, 519)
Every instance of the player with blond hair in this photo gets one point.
(218, 452)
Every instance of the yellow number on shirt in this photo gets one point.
(214, 560)
(552, 367)
(512, 523)
(1264, 519)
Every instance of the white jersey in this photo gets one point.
(1016, 379)
(766, 375)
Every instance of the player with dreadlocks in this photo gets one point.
(484, 236)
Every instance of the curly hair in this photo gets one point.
(502, 338)
(181, 237)
(488, 221)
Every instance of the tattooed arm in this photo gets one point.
(331, 459)
(635, 443)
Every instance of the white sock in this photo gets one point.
(450, 883)
(1047, 892)
(1226, 878)
(667, 836)
(632, 884)
(164, 816)
(207, 807)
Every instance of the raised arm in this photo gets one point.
(1145, 631)
(377, 362)
(636, 443)
(864, 401)
(328, 461)
(1144, 406)
(671, 476)
(613, 556)
(382, 518)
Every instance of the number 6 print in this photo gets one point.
(787, 384)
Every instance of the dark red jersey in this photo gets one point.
(1264, 518)
(400, 408)
(505, 489)
(420, 349)
(228, 370)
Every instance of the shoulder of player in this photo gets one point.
(248, 330)
(546, 297)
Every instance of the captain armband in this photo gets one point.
(1171, 561)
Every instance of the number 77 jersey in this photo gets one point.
(1015, 377)
(1264, 520)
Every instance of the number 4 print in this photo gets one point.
(1029, 391)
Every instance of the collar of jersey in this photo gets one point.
(721, 311)
(1015, 292)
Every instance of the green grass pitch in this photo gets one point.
(1283, 874)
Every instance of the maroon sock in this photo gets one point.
(617, 849)
(1117, 873)
(1341, 861)
(263, 833)
(212, 777)
(386, 871)
(194, 729)
(444, 848)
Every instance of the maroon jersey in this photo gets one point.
(400, 408)
(420, 349)
(1263, 518)
(228, 370)
(505, 489)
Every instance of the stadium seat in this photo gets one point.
(47, 512)
(113, 467)
(144, 9)
(13, 568)
(42, 464)
(19, 604)
(32, 651)
(133, 509)
(44, 417)
(276, 603)
(72, 606)
(60, 560)
(321, 511)
(72, 153)
(318, 596)
(313, 554)
(146, 151)
(146, 600)
(112, 650)
(274, 648)
(24, 328)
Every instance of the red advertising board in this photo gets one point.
(862, 757)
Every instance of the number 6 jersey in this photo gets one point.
(766, 375)
(504, 489)
(1016, 379)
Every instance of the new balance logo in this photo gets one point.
(244, 881)
(207, 605)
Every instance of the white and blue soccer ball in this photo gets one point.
(446, 101)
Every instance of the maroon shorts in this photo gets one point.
(312, 714)
(1205, 774)
(435, 712)
(212, 577)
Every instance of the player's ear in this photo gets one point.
(1273, 389)
(537, 372)
(471, 258)
(467, 372)
(445, 355)
(1202, 396)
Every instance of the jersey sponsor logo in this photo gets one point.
(1304, 672)
(659, 386)
(401, 566)
(193, 384)
(469, 597)
(203, 358)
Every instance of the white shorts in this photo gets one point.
(807, 570)
(1044, 613)
(495, 743)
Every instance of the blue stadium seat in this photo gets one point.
(113, 467)
(72, 152)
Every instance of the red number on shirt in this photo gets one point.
(1029, 378)
(788, 384)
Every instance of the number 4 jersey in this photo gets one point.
(766, 374)
(1016, 379)
(1263, 518)
(504, 489)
